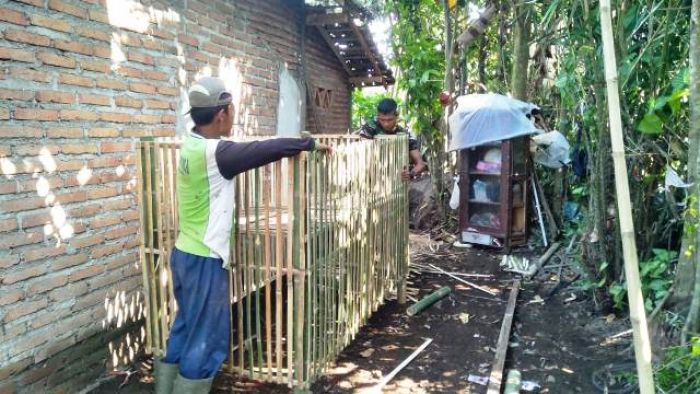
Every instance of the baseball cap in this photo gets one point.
(208, 92)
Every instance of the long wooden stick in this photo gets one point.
(466, 282)
(642, 347)
(378, 388)
(496, 377)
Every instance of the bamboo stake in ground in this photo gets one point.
(642, 348)
(496, 377)
(378, 388)
(466, 282)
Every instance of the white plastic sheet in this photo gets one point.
(483, 118)
(552, 149)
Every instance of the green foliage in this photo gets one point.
(679, 371)
(364, 106)
(656, 277)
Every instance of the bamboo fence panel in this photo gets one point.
(318, 243)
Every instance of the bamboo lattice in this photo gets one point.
(319, 242)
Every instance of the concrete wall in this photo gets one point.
(80, 82)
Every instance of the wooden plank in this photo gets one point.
(318, 19)
(496, 377)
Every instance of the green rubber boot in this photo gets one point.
(164, 375)
(192, 386)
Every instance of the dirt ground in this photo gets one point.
(557, 343)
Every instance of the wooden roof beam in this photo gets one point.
(328, 19)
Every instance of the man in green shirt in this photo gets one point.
(199, 339)
(386, 122)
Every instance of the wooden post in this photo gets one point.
(496, 377)
(642, 347)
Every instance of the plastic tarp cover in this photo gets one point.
(551, 149)
(483, 118)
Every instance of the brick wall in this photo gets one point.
(80, 81)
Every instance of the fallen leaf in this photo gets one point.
(367, 353)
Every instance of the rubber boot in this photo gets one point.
(164, 375)
(192, 386)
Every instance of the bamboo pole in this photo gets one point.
(279, 250)
(642, 347)
(142, 249)
(257, 269)
(268, 274)
(291, 218)
(238, 277)
(247, 274)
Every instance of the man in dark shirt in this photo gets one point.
(386, 122)
(199, 339)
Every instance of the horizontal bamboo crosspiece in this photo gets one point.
(319, 242)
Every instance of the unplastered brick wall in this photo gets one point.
(80, 82)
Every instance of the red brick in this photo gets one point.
(130, 72)
(103, 192)
(26, 74)
(52, 348)
(5, 150)
(4, 113)
(47, 284)
(85, 210)
(96, 99)
(162, 34)
(70, 79)
(168, 91)
(72, 46)
(12, 16)
(34, 220)
(140, 132)
(27, 38)
(139, 57)
(29, 343)
(90, 65)
(64, 132)
(9, 369)
(114, 205)
(58, 5)
(130, 215)
(101, 132)
(10, 296)
(98, 16)
(172, 119)
(152, 119)
(106, 250)
(110, 84)
(155, 75)
(65, 198)
(78, 148)
(91, 32)
(124, 101)
(106, 161)
(111, 147)
(158, 104)
(21, 95)
(153, 44)
(56, 60)
(20, 132)
(49, 96)
(20, 238)
(103, 52)
(8, 225)
(34, 150)
(142, 88)
(20, 275)
(69, 165)
(20, 55)
(68, 292)
(50, 23)
(131, 40)
(69, 260)
(38, 254)
(87, 272)
(8, 260)
(105, 221)
(116, 117)
(188, 40)
(35, 114)
(75, 114)
(83, 242)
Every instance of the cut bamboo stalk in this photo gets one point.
(238, 278)
(247, 274)
(496, 376)
(257, 262)
(466, 282)
(378, 388)
(428, 301)
(279, 250)
(642, 347)
(142, 255)
(153, 277)
(267, 281)
(291, 218)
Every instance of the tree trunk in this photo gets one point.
(521, 51)
(687, 275)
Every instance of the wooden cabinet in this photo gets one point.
(493, 182)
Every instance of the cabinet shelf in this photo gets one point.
(495, 203)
